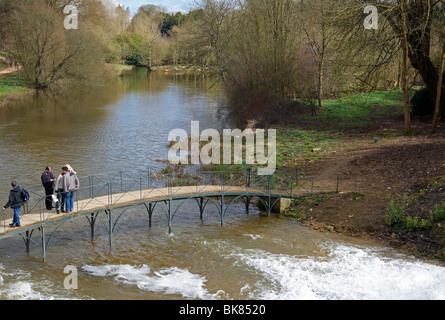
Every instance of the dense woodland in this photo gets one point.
(267, 53)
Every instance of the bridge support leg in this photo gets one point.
(27, 239)
(150, 213)
(43, 242)
(92, 222)
(201, 205)
(222, 210)
(150, 208)
(247, 202)
(170, 218)
(110, 226)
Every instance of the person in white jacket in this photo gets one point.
(60, 204)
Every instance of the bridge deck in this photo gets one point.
(37, 218)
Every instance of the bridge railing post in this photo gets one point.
(149, 178)
(42, 211)
(121, 181)
(4, 220)
(109, 193)
(90, 187)
(169, 185)
(248, 173)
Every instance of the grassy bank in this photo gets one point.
(10, 86)
(391, 185)
(356, 109)
(341, 124)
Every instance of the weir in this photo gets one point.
(112, 197)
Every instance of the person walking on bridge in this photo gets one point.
(48, 180)
(70, 185)
(15, 202)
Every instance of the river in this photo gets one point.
(124, 125)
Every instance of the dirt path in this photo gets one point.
(6, 71)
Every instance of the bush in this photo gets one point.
(413, 223)
(439, 212)
(422, 103)
(396, 217)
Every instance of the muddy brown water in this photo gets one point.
(124, 125)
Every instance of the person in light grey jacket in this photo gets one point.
(60, 204)
(70, 185)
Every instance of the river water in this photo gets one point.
(124, 125)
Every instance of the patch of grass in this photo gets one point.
(11, 84)
(439, 211)
(354, 109)
(294, 145)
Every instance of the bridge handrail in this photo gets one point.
(286, 183)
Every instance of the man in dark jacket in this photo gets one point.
(48, 183)
(15, 202)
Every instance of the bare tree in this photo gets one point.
(48, 52)
(218, 27)
(419, 23)
(440, 16)
(404, 35)
(316, 20)
(146, 26)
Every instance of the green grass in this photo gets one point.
(11, 84)
(355, 109)
(346, 111)
(294, 145)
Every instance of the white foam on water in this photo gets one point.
(252, 236)
(166, 281)
(346, 272)
(16, 284)
(23, 290)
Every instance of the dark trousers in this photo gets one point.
(48, 199)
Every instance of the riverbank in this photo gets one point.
(13, 86)
(383, 173)
(391, 185)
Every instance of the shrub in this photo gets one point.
(396, 217)
(439, 212)
(422, 103)
(413, 223)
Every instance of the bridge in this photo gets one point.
(113, 196)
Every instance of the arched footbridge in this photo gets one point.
(113, 196)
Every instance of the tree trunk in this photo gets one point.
(419, 13)
(439, 89)
(320, 84)
(408, 128)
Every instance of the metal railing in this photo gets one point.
(105, 191)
